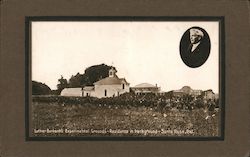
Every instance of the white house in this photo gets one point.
(108, 87)
(145, 88)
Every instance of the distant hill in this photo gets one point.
(39, 88)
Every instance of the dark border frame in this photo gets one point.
(220, 19)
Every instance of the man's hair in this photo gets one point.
(196, 31)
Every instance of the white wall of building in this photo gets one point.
(111, 90)
(88, 93)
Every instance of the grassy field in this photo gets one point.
(57, 118)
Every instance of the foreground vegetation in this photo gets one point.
(147, 115)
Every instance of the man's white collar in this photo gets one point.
(194, 46)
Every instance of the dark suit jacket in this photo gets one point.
(197, 57)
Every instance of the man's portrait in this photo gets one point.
(195, 47)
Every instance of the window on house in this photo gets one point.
(123, 86)
(87, 94)
(105, 92)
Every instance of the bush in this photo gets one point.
(39, 88)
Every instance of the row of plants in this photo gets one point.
(159, 102)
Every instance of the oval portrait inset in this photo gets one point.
(195, 47)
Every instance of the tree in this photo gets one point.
(63, 83)
(91, 75)
(75, 81)
(96, 73)
(39, 88)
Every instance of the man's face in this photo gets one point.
(194, 38)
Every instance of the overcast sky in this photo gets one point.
(142, 52)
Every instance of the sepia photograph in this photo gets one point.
(125, 79)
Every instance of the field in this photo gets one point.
(61, 116)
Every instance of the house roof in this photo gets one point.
(88, 88)
(145, 85)
(71, 92)
(111, 81)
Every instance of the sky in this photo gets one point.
(142, 52)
